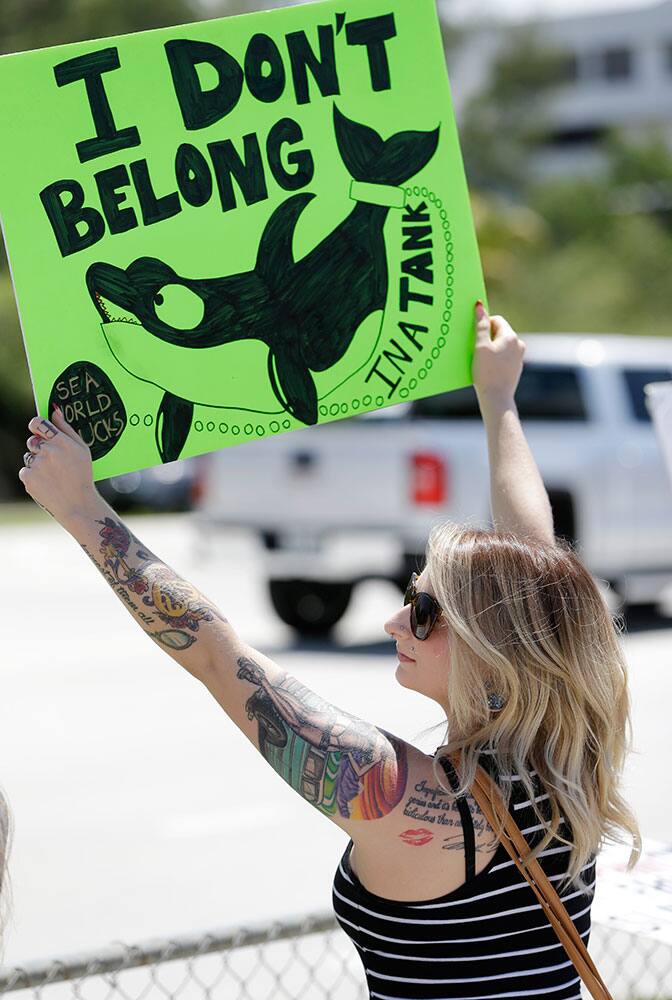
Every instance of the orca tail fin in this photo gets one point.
(173, 423)
(276, 253)
(368, 157)
(293, 385)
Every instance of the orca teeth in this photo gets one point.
(102, 306)
(107, 315)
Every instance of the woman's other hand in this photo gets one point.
(57, 471)
(498, 357)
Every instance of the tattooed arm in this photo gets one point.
(169, 609)
(347, 768)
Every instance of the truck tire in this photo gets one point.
(310, 607)
(413, 563)
(564, 515)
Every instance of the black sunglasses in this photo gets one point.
(425, 611)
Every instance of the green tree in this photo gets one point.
(582, 254)
(31, 24)
(507, 120)
(600, 262)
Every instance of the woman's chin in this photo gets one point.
(401, 673)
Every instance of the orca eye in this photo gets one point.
(177, 306)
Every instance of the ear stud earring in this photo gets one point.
(495, 701)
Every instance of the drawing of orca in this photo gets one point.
(306, 312)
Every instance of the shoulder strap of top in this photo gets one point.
(465, 817)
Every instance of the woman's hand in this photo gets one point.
(498, 357)
(57, 471)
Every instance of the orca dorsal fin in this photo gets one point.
(276, 252)
(173, 423)
(293, 383)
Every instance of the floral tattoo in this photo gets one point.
(131, 569)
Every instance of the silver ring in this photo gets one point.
(28, 459)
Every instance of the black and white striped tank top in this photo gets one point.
(487, 939)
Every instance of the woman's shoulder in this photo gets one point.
(418, 851)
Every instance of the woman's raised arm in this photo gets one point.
(58, 475)
(352, 771)
(518, 496)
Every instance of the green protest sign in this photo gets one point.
(239, 227)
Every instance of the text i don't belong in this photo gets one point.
(264, 71)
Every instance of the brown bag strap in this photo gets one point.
(489, 798)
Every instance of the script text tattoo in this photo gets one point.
(431, 805)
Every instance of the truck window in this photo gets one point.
(545, 392)
(635, 380)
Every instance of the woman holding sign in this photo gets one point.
(507, 631)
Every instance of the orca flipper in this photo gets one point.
(276, 255)
(293, 384)
(173, 423)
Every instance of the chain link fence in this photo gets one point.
(298, 958)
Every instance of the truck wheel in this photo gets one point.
(564, 515)
(312, 608)
(413, 563)
(641, 615)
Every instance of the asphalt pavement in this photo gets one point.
(140, 810)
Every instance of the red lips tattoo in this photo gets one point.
(416, 838)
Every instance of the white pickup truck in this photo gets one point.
(355, 499)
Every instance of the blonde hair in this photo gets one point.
(526, 620)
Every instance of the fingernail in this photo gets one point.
(480, 309)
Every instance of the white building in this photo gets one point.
(619, 75)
